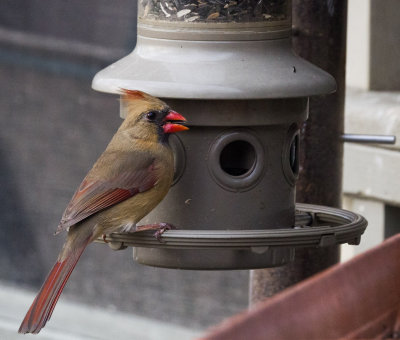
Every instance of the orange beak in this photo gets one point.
(173, 122)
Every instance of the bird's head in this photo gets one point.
(148, 117)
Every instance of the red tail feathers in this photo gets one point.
(44, 303)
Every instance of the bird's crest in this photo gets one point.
(133, 94)
(140, 100)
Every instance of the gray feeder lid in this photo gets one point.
(186, 69)
(316, 226)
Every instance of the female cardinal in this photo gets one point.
(128, 180)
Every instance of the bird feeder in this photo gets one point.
(228, 66)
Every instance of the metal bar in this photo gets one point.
(65, 47)
(368, 139)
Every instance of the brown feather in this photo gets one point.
(128, 180)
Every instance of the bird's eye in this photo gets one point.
(151, 115)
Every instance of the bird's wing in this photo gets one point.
(100, 192)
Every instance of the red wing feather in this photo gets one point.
(92, 197)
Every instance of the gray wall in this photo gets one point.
(385, 45)
(53, 127)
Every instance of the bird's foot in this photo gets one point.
(160, 229)
(104, 237)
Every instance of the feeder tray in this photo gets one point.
(315, 226)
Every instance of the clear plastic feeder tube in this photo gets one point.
(214, 11)
(215, 49)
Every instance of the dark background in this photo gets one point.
(53, 128)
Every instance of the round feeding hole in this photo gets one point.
(294, 155)
(238, 158)
(290, 155)
(179, 157)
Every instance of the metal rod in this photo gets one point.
(367, 139)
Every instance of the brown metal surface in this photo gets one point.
(320, 37)
(358, 299)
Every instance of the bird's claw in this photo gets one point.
(162, 229)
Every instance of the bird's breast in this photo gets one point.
(135, 208)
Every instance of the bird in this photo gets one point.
(128, 180)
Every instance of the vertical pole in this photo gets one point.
(319, 35)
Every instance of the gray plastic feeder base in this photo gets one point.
(316, 226)
(214, 259)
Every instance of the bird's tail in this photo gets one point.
(44, 303)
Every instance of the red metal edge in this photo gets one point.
(357, 299)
